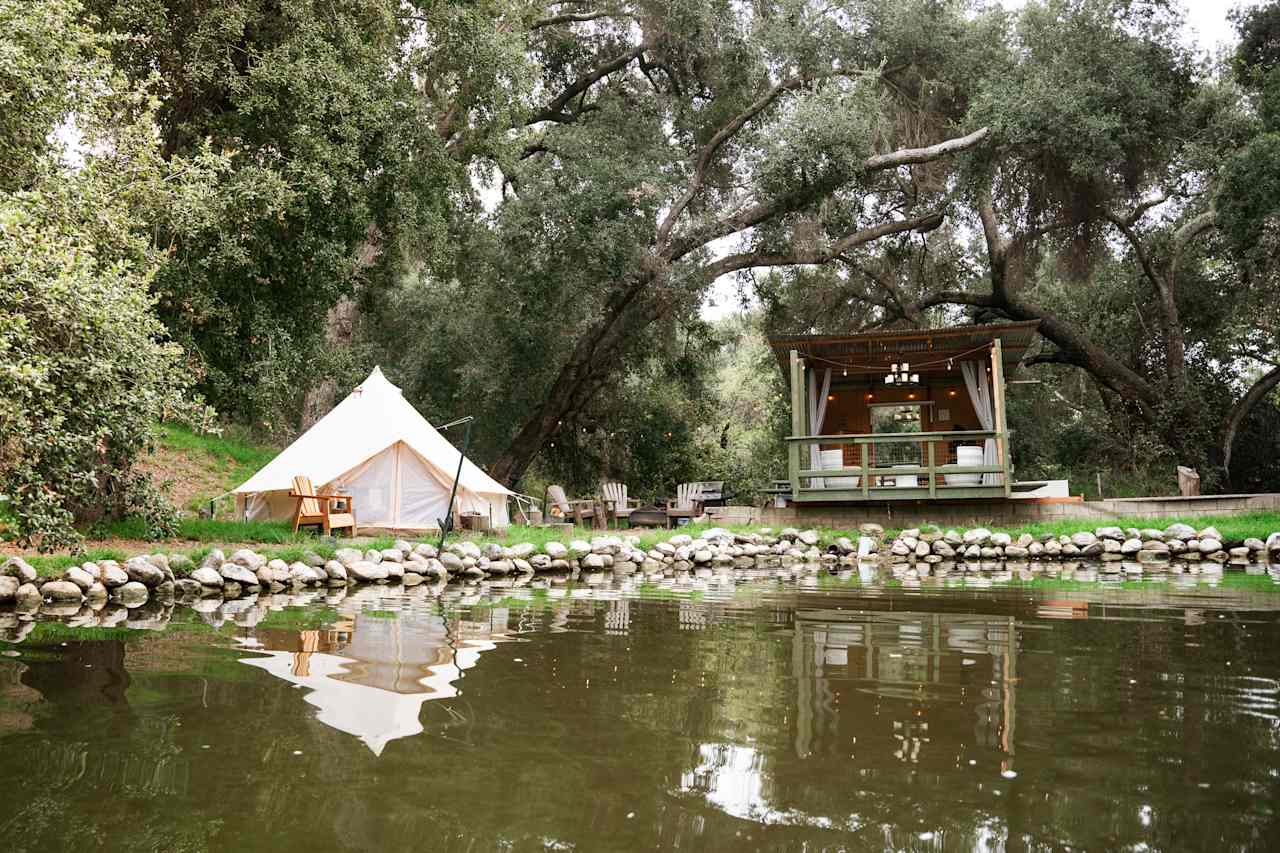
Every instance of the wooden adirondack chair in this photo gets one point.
(688, 503)
(579, 510)
(318, 509)
(616, 502)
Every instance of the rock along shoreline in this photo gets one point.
(914, 552)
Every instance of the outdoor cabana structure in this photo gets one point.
(914, 414)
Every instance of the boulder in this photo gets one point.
(214, 559)
(335, 570)
(1001, 540)
(8, 588)
(557, 551)
(1210, 545)
(248, 559)
(79, 577)
(1211, 532)
(347, 556)
(16, 567)
(943, 548)
(143, 571)
(395, 569)
(1255, 544)
(184, 587)
(1111, 546)
(426, 550)
(1083, 539)
(205, 576)
(521, 552)
(26, 597)
(1150, 534)
(1131, 546)
(450, 560)
(809, 537)
(594, 561)
(952, 538)
(1179, 531)
(1273, 543)
(1114, 534)
(393, 555)
(238, 573)
(132, 594)
(976, 536)
(368, 572)
(1016, 552)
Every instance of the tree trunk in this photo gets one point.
(321, 396)
(1264, 386)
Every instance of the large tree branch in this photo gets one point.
(748, 260)
(1183, 237)
(554, 111)
(909, 156)
(569, 18)
(708, 152)
(1256, 393)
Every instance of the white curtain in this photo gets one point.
(979, 387)
(817, 413)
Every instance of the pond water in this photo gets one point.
(733, 713)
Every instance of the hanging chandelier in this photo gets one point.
(900, 374)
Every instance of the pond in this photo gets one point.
(739, 712)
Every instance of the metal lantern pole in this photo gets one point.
(446, 523)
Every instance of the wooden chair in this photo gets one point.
(579, 510)
(687, 504)
(318, 509)
(616, 502)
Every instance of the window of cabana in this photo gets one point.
(941, 433)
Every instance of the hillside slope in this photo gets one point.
(198, 468)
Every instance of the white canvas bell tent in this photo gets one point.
(377, 448)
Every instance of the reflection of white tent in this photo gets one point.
(377, 447)
(374, 715)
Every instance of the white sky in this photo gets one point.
(1208, 28)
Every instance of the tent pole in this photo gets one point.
(446, 523)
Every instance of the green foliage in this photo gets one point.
(85, 367)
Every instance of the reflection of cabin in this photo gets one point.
(901, 415)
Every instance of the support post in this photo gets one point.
(798, 410)
(1002, 427)
(447, 523)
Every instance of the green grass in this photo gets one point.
(52, 565)
(236, 458)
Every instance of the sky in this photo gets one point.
(1208, 28)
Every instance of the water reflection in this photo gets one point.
(369, 675)
(722, 712)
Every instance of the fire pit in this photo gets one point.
(648, 516)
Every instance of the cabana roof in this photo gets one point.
(870, 353)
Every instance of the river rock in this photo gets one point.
(335, 570)
(426, 550)
(1016, 552)
(595, 561)
(20, 569)
(976, 536)
(1131, 546)
(8, 588)
(451, 561)
(1147, 556)
(143, 571)
(395, 569)
(1211, 532)
(238, 573)
(1111, 546)
(1113, 533)
(78, 576)
(26, 598)
(132, 594)
(521, 552)
(1150, 533)
(1255, 544)
(214, 559)
(1210, 545)
(347, 556)
(205, 576)
(1273, 543)
(1001, 540)
(557, 551)
(1083, 539)
(248, 559)
(185, 587)
(393, 555)
(943, 548)
(368, 572)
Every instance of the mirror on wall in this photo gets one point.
(897, 417)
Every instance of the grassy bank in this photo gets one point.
(276, 538)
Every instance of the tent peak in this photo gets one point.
(376, 381)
